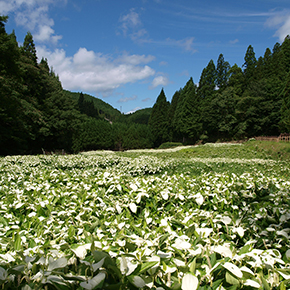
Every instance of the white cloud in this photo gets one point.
(131, 25)
(234, 41)
(186, 43)
(125, 100)
(159, 81)
(136, 59)
(281, 22)
(146, 100)
(130, 21)
(33, 15)
(94, 72)
(46, 33)
(163, 63)
(133, 111)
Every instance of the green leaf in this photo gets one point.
(265, 283)
(282, 286)
(193, 266)
(3, 274)
(146, 266)
(17, 269)
(99, 255)
(216, 284)
(17, 242)
(231, 279)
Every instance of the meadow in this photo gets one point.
(214, 216)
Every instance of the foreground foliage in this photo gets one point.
(115, 221)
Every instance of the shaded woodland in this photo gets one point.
(229, 103)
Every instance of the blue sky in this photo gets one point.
(126, 51)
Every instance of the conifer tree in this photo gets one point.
(187, 118)
(222, 72)
(158, 121)
(207, 81)
(29, 48)
(171, 113)
(250, 62)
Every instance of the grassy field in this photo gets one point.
(214, 216)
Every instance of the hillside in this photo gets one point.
(104, 109)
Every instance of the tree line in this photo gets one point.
(229, 102)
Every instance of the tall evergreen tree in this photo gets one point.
(29, 47)
(171, 112)
(207, 81)
(158, 121)
(187, 118)
(222, 72)
(250, 62)
(206, 91)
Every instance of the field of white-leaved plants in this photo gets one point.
(113, 221)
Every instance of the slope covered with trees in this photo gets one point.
(230, 102)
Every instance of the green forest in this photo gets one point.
(229, 103)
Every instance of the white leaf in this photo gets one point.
(98, 265)
(164, 194)
(246, 269)
(282, 233)
(233, 269)
(167, 269)
(80, 252)
(252, 283)
(204, 232)
(181, 244)
(224, 251)
(163, 223)
(119, 209)
(226, 220)
(133, 186)
(199, 199)
(240, 231)
(189, 282)
(59, 263)
(92, 283)
(126, 267)
(285, 276)
(133, 207)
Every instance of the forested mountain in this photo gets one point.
(230, 102)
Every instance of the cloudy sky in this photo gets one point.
(126, 51)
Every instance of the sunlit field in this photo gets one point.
(206, 217)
